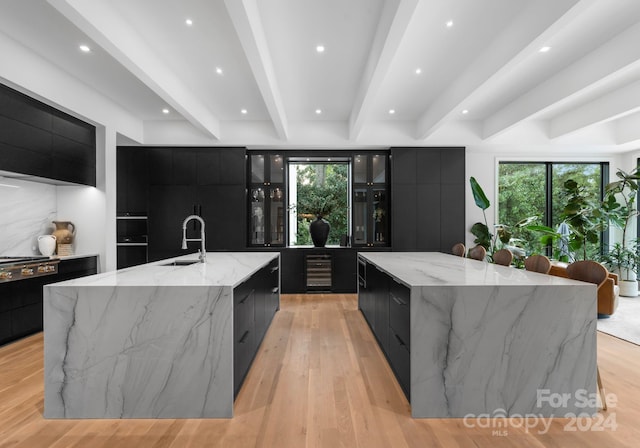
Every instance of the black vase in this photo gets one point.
(319, 230)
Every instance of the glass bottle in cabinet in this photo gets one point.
(370, 200)
(266, 214)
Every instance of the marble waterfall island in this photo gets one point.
(151, 341)
(486, 339)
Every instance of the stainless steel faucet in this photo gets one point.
(203, 252)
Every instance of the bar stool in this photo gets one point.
(458, 249)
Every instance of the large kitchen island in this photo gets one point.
(163, 340)
(470, 339)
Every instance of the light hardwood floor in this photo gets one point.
(319, 379)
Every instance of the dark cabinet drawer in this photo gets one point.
(400, 311)
(400, 360)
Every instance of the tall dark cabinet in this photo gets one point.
(428, 196)
(370, 225)
(173, 183)
(267, 200)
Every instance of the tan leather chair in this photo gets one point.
(607, 293)
(503, 257)
(478, 253)
(459, 250)
(592, 272)
(537, 263)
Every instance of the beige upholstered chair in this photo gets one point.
(478, 253)
(458, 249)
(503, 257)
(592, 272)
(537, 263)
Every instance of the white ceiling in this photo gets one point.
(584, 91)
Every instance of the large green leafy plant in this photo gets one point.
(586, 219)
(619, 205)
(505, 235)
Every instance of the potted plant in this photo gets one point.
(619, 205)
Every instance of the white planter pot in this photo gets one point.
(628, 288)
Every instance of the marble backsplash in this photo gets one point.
(27, 210)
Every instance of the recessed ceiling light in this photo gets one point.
(465, 112)
(243, 111)
(392, 111)
(219, 71)
(320, 48)
(189, 22)
(418, 71)
(449, 23)
(165, 111)
(318, 111)
(544, 49)
(85, 48)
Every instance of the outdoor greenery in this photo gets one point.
(575, 193)
(322, 189)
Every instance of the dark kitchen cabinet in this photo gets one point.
(386, 306)
(343, 269)
(39, 140)
(370, 200)
(267, 200)
(21, 301)
(255, 302)
(292, 271)
(169, 184)
(428, 195)
(172, 204)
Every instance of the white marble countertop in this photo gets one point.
(435, 268)
(220, 269)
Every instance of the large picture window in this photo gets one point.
(318, 189)
(537, 189)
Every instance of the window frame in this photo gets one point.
(548, 212)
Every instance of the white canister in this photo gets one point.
(47, 245)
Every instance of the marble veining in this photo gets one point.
(26, 212)
(488, 339)
(117, 349)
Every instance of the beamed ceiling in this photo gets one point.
(431, 72)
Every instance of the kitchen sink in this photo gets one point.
(181, 263)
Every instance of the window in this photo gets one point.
(537, 189)
(318, 188)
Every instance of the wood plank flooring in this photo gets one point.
(319, 380)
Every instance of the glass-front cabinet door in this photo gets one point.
(370, 218)
(267, 199)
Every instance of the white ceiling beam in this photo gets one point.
(604, 64)
(627, 130)
(521, 37)
(248, 25)
(103, 25)
(392, 26)
(611, 106)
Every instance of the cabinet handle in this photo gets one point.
(274, 269)
(244, 337)
(400, 341)
(398, 300)
(245, 298)
(362, 283)
(275, 290)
